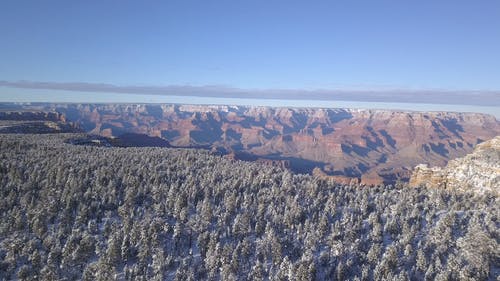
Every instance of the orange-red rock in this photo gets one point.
(375, 146)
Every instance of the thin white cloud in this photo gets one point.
(466, 97)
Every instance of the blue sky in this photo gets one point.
(446, 45)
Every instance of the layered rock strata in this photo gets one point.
(372, 146)
(478, 172)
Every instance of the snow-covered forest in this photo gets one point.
(73, 212)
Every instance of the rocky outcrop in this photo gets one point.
(478, 172)
(35, 122)
(372, 146)
(317, 172)
(32, 116)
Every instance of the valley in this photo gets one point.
(348, 145)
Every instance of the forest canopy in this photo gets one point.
(102, 213)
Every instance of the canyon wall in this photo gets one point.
(372, 146)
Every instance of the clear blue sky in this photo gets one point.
(446, 44)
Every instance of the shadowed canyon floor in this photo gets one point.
(367, 146)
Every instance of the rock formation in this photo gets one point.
(35, 122)
(372, 146)
(478, 172)
(19, 115)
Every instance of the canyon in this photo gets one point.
(347, 145)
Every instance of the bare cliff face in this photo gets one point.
(478, 172)
(370, 146)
